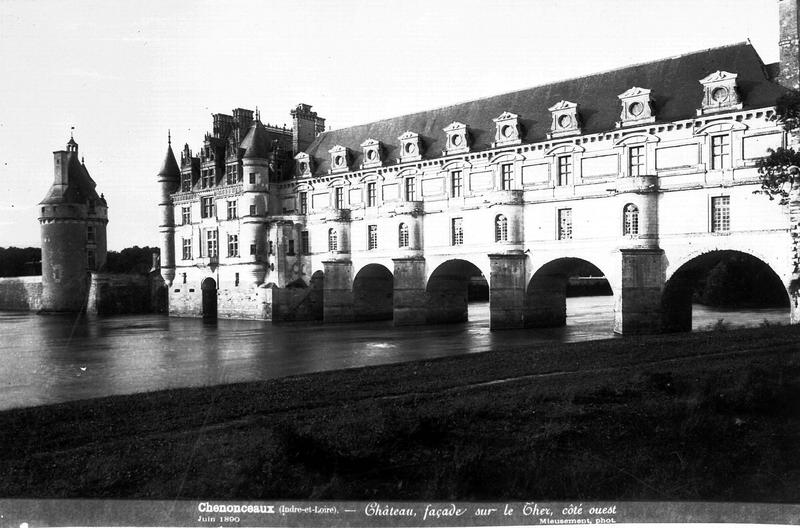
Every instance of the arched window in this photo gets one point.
(500, 229)
(333, 240)
(402, 235)
(630, 225)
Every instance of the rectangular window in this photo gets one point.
(338, 198)
(90, 234)
(564, 170)
(411, 194)
(207, 210)
(636, 161)
(233, 245)
(721, 214)
(230, 174)
(372, 195)
(564, 224)
(720, 152)
(211, 243)
(291, 248)
(252, 210)
(372, 237)
(304, 247)
(457, 230)
(207, 178)
(505, 176)
(303, 203)
(186, 182)
(456, 184)
(252, 178)
(187, 249)
(232, 212)
(271, 247)
(186, 215)
(90, 257)
(252, 249)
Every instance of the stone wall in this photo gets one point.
(112, 293)
(297, 304)
(21, 293)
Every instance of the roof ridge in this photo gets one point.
(557, 81)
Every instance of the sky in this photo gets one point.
(124, 73)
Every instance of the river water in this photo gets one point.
(55, 358)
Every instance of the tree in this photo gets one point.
(779, 170)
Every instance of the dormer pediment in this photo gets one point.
(637, 107)
(410, 146)
(372, 153)
(457, 138)
(507, 130)
(720, 93)
(339, 159)
(566, 120)
(303, 164)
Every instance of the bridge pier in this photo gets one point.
(410, 298)
(337, 302)
(637, 307)
(507, 306)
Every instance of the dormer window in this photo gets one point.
(720, 93)
(507, 131)
(565, 120)
(457, 138)
(303, 166)
(637, 107)
(410, 148)
(372, 153)
(339, 155)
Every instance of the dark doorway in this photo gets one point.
(209, 289)
(373, 294)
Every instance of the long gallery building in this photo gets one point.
(639, 172)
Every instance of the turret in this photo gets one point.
(73, 222)
(169, 179)
(255, 169)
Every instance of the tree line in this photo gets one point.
(20, 262)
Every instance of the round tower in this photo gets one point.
(73, 222)
(169, 179)
(253, 204)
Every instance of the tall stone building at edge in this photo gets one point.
(641, 173)
(73, 219)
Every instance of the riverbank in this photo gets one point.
(703, 416)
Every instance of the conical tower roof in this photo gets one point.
(256, 142)
(169, 168)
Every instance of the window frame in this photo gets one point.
(720, 223)
(457, 231)
(456, 184)
(564, 226)
(372, 237)
(564, 170)
(501, 228)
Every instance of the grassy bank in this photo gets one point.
(705, 416)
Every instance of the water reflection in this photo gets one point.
(54, 358)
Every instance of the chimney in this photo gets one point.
(306, 126)
(61, 168)
(789, 75)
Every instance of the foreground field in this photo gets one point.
(704, 416)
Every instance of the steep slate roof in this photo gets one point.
(80, 187)
(256, 143)
(170, 166)
(676, 92)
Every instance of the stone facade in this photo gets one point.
(73, 219)
(637, 172)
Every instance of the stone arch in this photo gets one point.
(546, 293)
(209, 291)
(373, 293)
(447, 291)
(681, 284)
